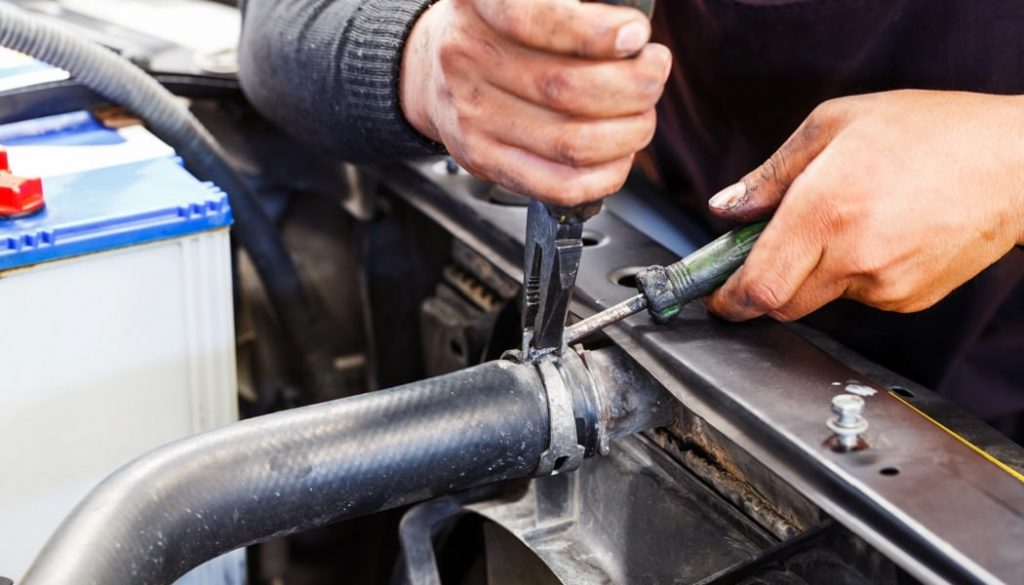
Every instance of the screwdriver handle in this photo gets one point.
(668, 288)
(645, 6)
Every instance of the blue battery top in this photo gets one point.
(105, 208)
(18, 70)
(71, 129)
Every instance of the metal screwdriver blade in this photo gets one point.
(613, 314)
(688, 279)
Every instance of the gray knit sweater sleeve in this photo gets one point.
(327, 71)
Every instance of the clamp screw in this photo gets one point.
(848, 423)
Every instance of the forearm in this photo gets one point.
(327, 71)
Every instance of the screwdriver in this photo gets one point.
(664, 290)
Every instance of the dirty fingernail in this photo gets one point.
(631, 38)
(729, 196)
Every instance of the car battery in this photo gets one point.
(116, 322)
(18, 71)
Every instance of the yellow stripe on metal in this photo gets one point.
(1013, 472)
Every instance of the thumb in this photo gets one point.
(758, 193)
(568, 27)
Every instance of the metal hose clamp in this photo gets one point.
(564, 452)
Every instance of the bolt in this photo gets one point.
(451, 166)
(848, 408)
(847, 424)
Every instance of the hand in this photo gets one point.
(550, 98)
(891, 199)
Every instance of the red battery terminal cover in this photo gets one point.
(19, 196)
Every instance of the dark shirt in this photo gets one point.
(327, 72)
(746, 73)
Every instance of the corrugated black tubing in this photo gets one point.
(121, 82)
(190, 501)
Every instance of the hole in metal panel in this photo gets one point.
(592, 238)
(626, 276)
(482, 190)
(901, 391)
(889, 471)
(502, 196)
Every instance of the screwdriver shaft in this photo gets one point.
(665, 289)
(599, 321)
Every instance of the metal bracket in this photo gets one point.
(760, 402)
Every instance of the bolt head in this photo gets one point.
(847, 405)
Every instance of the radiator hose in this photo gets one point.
(118, 80)
(185, 503)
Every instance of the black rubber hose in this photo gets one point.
(190, 501)
(121, 82)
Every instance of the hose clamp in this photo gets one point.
(564, 453)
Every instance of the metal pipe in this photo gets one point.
(631, 399)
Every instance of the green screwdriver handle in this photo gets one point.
(668, 288)
(645, 6)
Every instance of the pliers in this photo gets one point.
(554, 245)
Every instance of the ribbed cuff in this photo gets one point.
(370, 69)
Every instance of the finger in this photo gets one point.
(573, 141)
(821, 287)
(527, 173)
(568, 27)
(900, 294)
(758, 193)
(596, 89)
(784, 256)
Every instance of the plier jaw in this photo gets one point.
(554, 247)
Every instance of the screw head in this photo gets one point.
(847, 422)
(847, 406)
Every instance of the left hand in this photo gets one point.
(891, 199)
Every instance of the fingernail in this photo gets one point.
(631, 38)
(666, 57)
(729, 196)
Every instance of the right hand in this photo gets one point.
(549, 98)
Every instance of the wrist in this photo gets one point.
(416, 72)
